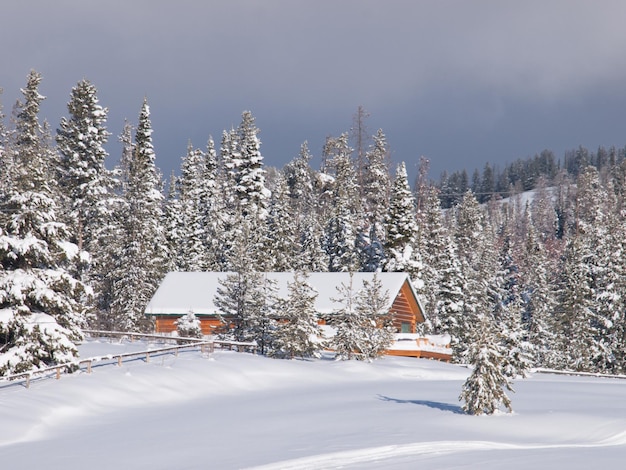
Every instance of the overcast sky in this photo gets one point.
(460, 82)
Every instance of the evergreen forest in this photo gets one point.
(530, 259)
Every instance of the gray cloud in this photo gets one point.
(463, 82)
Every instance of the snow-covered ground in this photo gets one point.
(233, 410)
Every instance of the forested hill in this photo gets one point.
(544, 282)
(524, 174)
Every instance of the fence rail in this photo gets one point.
(206, 347)
(580, 374)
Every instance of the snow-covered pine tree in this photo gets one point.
(297, 332)
(188, 326)
(5, 160)
(252, 195)
(371, 249)
(478, 261)
(432, 243)
(377, 330)
(87, 187)
(40, 302)
(312, 255)
(363, 325)
(280, 248)
(508, 306)
(213, 205)
(484, 390)
(574, 314)
(111, 239)
(535, 275)
(377, 182)
(246, 299)
(341, 228)
(299, 177)
(193, 236)
(141, 263)
(586, 291)
(173, 225)
(401, 229)
(84, 180)
(346, 319)
(449, 305)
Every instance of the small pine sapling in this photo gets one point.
(188, 326)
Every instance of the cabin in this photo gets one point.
(184, 292)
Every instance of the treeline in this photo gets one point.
(541, 280)
(523, 174)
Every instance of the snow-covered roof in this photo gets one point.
(182, 292)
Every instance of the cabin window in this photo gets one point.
(406, 327)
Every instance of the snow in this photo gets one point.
(233, 410)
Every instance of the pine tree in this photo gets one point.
(484, 390)
(401, 228)
(173, 225)
(297, 332)
(536, 276)
(341, 228)
(40, 301)
(141, 263)
(575, 310)
(280, 244)
(312, 255)
(346, 320)
(378, 332)
(213, 205)
(299, 178)
(84, 179)
(193, 234)
(432, 243)
(377, 182)
(111, 240)
(363, 325)
(252, 195)
(477, 262)
(188, 326)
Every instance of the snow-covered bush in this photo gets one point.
(188, 326)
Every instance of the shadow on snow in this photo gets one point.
(431, 404)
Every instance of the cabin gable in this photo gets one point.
(406, 309)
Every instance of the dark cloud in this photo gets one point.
(462, 82)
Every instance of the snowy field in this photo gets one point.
(232, 411)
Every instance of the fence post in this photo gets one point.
(89, 367)
(28, 381)
(119, 361)
(58, 372)
(147, 357)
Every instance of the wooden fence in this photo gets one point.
(205, 346)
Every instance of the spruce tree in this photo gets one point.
(536, 276)
(84, 179)
(484, 390)
(193, 234)
(280, 247)
(141, 263)
(40, 301)
(297, 332)
(377, 182)
(401, 228)
(252, 195)
(377, 328)
(363, 325)
(341, 228)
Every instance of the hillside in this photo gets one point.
(231, 410)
